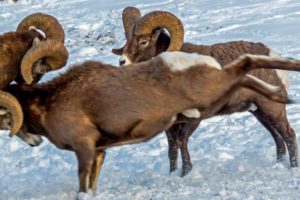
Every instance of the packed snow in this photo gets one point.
(233, 156)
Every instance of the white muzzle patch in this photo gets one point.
(124, 60)
(30, 139)
(252, 107)
(180, 61)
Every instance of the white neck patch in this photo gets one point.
(180, 61)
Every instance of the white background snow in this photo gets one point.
(233, 156)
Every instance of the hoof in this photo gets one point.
(173, 168)
(186, 170)
(83, 196)
(280, 158)
(294, 162)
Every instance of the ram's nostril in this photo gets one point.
(122, 62)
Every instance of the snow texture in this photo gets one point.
(233, 156)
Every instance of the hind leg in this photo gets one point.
(289, 136)
(185, 132)
(274, 115)
(178, 136)
(278, 139)
(172, 135)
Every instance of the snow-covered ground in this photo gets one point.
(233, 156)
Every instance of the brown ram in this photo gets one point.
(145, 38)
(94, 106)
(24, 45)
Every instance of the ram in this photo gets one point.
(146, 37)
(28, 43)
(94, 106)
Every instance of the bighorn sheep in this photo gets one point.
(22, 46)
(145, 38)
(94, 106)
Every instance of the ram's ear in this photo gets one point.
(36, 41)
(118, 52)
(156, 33)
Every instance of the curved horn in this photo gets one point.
(12, 105)
(130, 16)
(56, 56)
(162, 19)
(47, 23)
(54, 35)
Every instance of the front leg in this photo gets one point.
(96, 168)
(85, 155)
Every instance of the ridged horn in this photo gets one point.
(47, 23)
(130, 16)
(162, 19)
(54, 36)
(13, 106)
(56, 56)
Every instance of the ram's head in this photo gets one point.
(45, 53)
(144, 33)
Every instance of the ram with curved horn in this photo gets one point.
(51, 49)
(141, 34)
(147, 38)
(36, 55)
(115, 106)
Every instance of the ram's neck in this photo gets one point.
(32, 99)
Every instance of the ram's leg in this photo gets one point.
(96, 168)
(287, 132)
(172, 135)
(279, 141)
(186, 131)
(85, 156)
(275, 115)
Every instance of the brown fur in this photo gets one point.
(268, 112)
(95, 106)
(13, 46)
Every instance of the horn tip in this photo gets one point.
(28, 80)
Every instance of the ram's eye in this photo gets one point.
(143, 43)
